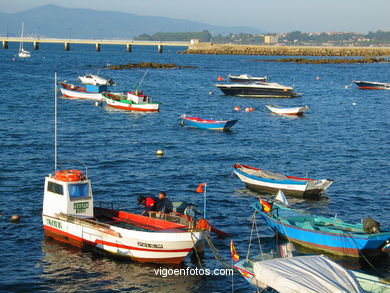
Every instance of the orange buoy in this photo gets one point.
(251, 109)
(247, 109)
(69, 175)
(220, 78)
(318, 78)
(237, 108)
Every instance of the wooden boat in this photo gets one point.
(247, 78)
(313, 273)
(22, 52)
(258, 89)
(270, 182)
(198, 122)
(297, 111)
(330, 235)
(89, 92)
(96, 80)
(69, 216)
(372, 85)
(132, 101)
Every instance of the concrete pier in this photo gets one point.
(128, 48)
(36, 45)
(66, 46)
(97, 47)
(5, 44)
(159, 48)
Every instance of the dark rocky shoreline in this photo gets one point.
(327, 60)
(146, 65)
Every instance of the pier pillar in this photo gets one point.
(66, 46)
(128, 48)
(159, 48)
(97, 47)
(36, 45)
(5, 44)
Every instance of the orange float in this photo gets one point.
(69, 175)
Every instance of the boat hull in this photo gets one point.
(217, 125)
(256, 92)
(81, 95)
(144, 107)
(140, 246)
(368, 85)
(340, 243)
(289, 187)
(295, 111)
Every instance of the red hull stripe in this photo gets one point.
(56, 231)
(371, 88)
(133, 108)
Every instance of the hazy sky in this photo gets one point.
(268, 15)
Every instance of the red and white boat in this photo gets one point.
(294, 111)
(89, 92)
(69, 216)
(131, 101)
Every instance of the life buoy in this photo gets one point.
(69, 175)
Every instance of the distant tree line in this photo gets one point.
(295, 37)
(373, 37)
(203, 36)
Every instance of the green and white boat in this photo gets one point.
(131, 101)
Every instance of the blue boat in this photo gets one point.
(207, 123)
(330, 235)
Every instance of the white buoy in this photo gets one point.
(96, 104)
(211, 93)
(159, 153)
(353, 104)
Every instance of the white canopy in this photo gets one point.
(303, 274)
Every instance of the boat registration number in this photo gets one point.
(81, 207)
(143, 244)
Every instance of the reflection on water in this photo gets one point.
(67, 269)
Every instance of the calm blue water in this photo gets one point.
(336, 139)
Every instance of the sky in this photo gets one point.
(268, 15)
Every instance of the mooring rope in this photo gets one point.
(196, 251)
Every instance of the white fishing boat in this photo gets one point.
(294, 111)
(131, 101)
(22, 52)
(89, 92)
(96, 80)
(69, 216)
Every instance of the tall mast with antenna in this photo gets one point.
(55, 122)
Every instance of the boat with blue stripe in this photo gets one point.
(198, 122)
(269, 182)
(326, 234)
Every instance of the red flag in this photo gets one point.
(233, 251)
(267, 207)
(199, 189)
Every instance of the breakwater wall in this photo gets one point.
(218, 49)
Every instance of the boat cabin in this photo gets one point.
(137, 97)
(68, 192)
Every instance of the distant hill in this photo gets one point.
(60, 22)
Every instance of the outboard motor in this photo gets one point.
(370, 226)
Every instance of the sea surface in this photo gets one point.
(344, 136)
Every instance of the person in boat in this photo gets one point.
(164, 204)
(149, 204)
(191, 214)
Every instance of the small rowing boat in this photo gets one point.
(198, 122)
(297, 111)
(89, 92)
(96, 80)
(131, 101)
(372, 85)
(270, 182)
(247, 78)
(326, 234)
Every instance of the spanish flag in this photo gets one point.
(265, 205)
(233, 251)
(199, 189)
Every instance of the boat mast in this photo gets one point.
(21, 36)
(55, 122)
(142, 79)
